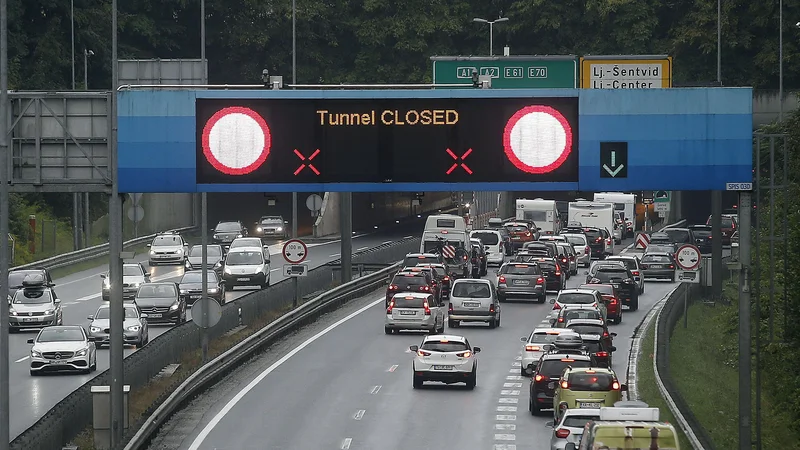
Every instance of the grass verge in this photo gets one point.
(144, 400)
(703, 363)
(648, 389)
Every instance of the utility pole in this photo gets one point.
(294, 81)
(5, 172)
(346, 224)
(204, 207)
(745, 389)
(716, 245)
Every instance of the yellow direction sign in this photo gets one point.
(626, 72)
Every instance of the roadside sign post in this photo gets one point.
(626, 72)
(688, 258)
(642, 241)
(508, 72)
(295, 252)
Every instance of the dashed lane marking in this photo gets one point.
(509, 392)
(509, 400)
(359, 414)
(518, 358)
(375, 390)
(505, 437)
(514, 377)
(362, 248)
(505, 427)
(504, 447)
(335, 255)
(506, 409)
(507, 417)
(513, 370)
(407, 237)
(516, 364)
(22, 359)
(346, 443)
(512, 385)
(386, 242)
(392, 368)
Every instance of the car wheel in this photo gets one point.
(387, 330)
(93, 367)
(543, 298)
(452, 323)
(619, 318)
(522, 372)
(418, 382)
(34, 373)
(501, 298)
(472, 380)
(642, 291)
(634, 304)
(492, 323)
(533, 407)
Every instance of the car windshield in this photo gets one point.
(196, 276)
(104, 313)
(605, 289)
(487, 238)
(244, 258)
(408, 302)
(166, 241)
(405, 281)
(33, 297)
(592, 235)
(54, 334)
(271, 221)
(433, 246)
(590, 381)
(543, 338)
(228, 227)
(576, 298)
(132, 271)
(607, 274)
(246, 242)
(727, 222)
(536, 216)
(680, 236)
(586, 328)
(547, 265)
(660, 248)
(576, 240)
(520, 269)
(576, 421)
(592, 346)
(571, 314)
(412, 261)
(15, 278)
(656, 259)
(445, 346)
(553, 368)
(157, 291)
(472, 290)
(211, 250)
(516, 228)
(629, 262)
(701, 232)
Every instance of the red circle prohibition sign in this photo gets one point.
(537, 139)
(236, 140)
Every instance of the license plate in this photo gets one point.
(408, 313)
(243, 279)
(587, 405)
(443, 367)
(470, 305)
(30, 319)
(657, 266)
(551, 385)
(522, 282)
(195, 296)
(57, 363)
(154, 316)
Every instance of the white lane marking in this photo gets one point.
(69, 303)
(516, 364)
(274, 270)
(22, 359)
(509, 392)
(505, 417)
(407, 237)
(375, 390)
(514, 377)
(512, 385)
(392, 368)
(509, 400)
(505, 426)
(346, 443)
(506, 409)
(504, 447)
(514, 370)
(198, 441)
(518, 358)
(335, 255)
(386, 242)
(362, 248)
(505, 437)
(359, 414)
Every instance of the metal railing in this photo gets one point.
(79, 256)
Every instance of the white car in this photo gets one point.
(414, 311)
(533, 347)
(583, 297)
(445, 358)
(581, 246)
(63, 347)
(246, 266)
(570, 427)
(168, 248)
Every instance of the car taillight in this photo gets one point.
(560, 320)
(393, 287)
(540, 280)
(446, 279)
(601, 354)
(608, 241)
(389, 309)
(491, 308)
(558, 272)
(564, 385)
(502, 279)
(538, 378)
(564, 260)
(635, 273)
(423, 353)
(427, 308)
(527, 234)
(532, 348)
(613, 301)
(464, 354)
(615, 386)
(587, 250)
(605, 334)
(556, 306)
(425, 288)
(450, 308)
(562, 433)
(671, 266)
(599, 239)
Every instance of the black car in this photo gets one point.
(555, 279)
(225, 232)
(408, 282)
(161, 302)
(479, 267)
(541, 246)
(548, 372)
(680, 236)
(599, 350)
(595, 238)
(191, 286)
(15, 278)
(702, 237)
(622, 280)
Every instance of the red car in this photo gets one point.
(610, 295)
(729, 226)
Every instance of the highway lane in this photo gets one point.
(32, 396)
(351, 389)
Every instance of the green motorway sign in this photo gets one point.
(509, 72)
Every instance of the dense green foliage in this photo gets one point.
(389, 41)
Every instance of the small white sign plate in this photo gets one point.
(738, 186)
(688, 276)
(295, 270)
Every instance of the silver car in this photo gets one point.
(533, 347)
(570, 427)
(60, 348)
(168, 248)
(214, 257)
(272, 227)
(134, 326)
(520, 280)
(581, 246)
(414, 311)
(34, 306)
(658, 265)
(473, 300)
(133, 276)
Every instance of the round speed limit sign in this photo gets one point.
(295, 251)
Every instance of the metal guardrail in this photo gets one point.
(230, 359)
(85, 254)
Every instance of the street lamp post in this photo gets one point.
(72, 33)
(491, 30)
(86, 54)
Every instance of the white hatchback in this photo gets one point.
(445, 358)
(581, 246)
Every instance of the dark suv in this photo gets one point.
(555, 279)
(596, 239)
(622, 280)
(548, 372)
(598, 349)
(409, 282)
(702, 237)
(680, 236)
(225, 232)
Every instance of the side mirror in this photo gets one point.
(552, 301)
(149, 245)
(268, 261)
(90, 317)
(476, 349)
(613, 334)
(414, 348)
(538, 229)
(612, 349)
(547, 347)
(143, 315)
(58, 300)
(103, 276)
(523, 339)
(286, 222)
(623, 387)
(30, 341)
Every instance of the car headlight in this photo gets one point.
(259, 229)
(82, 352)
(180, 250)
(12, 312)
(227, 270)
(184, 291)
(279, 229)
(94, 329)
(35, 354)
(152, 252)
(188, 264)
(213, 290)
(49, 311)
(133, 328)
(216, 236)
(238, 235)
(173, 307)
(218, 264)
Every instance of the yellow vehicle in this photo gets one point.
(586, 387)
(625, 428)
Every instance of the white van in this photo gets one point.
(594, 214)
(448, 230)
(625, 203)
(542, 212)
(493, 244)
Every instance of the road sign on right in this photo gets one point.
(688, 257)
(626, 72)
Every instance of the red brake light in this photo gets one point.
(389, 309)
(635, 273)
(464, 354)
(560, 320)
(608, 241)
(491, 308)
(562, 433)
(558, 271)
(556, 306)
(450, 307)
(605, 334)
(538, 378)
(540, 280)
(423, 353)
(393, 287)
(587, 250)
(527, 234)
(564, 385)
(602, 354)
(532, 348)
(446, 279)
(427, 308)
(671, 266)
(613, 300)
(615, 386)
(567, 360)
(599, 239)
(502, 279)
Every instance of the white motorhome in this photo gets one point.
(595, 214)
(625, 203)
(448, 230)
(542, 212)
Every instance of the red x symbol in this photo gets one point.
(304, 165)
(456, 164)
